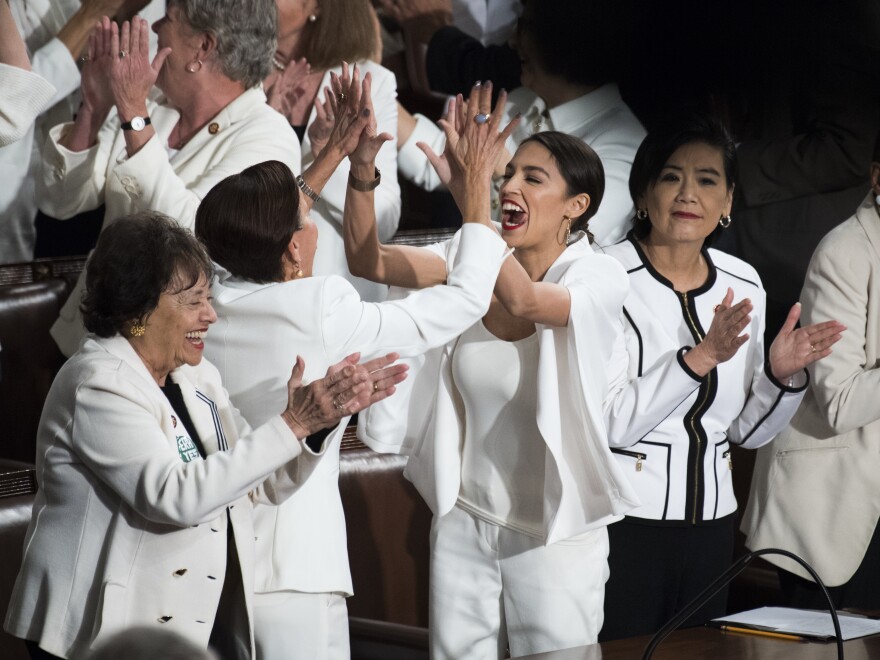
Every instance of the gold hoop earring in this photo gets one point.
(564, 242)
(138, 329)
(195, 66)
(725, 221)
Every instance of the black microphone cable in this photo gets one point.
(721, 581)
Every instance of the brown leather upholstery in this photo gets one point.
(29, 360)
(388, 527)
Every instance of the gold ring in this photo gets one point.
(340, 97)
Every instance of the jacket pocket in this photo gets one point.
(638, 457)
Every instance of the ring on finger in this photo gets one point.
(482, 117)
(122, 54)
(337, 405)
(340, 97)
(812, 348)
(84, 59)
(375, 387)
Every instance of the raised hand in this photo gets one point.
(369, 142)
(793, 349)
(724, 337)
(350, 110)
(322, 126)
(97, 95)
(126, 58)
(474, 143)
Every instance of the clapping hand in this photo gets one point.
(285, 88)
(793, 349)
(129, 69)
(354, 128)
(724, 337)
(347, 388)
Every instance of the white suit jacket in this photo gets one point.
(244, 133)
(129, 527)
(584, 488)
(601, 119)
(301, 545)
(327, 212)
(815, 490)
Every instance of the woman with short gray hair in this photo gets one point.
(132, 149)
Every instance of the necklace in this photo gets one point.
(277, 63)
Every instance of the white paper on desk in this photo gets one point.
(808, 623)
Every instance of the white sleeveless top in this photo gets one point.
(502, 473)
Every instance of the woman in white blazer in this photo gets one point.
(814, 491)
(315, 39)
(504, 425)
(270, 306)
(146, 470)
(132, 150)
(696, 378)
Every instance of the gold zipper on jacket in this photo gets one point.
(696, 331)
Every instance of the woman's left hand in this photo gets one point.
(793, 349)
(347, 388)
(130, 72)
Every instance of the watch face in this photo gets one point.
(137, 123)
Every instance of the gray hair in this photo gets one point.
(245, 31)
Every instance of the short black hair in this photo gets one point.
(247, 220)
(661, 143)
(137, 258)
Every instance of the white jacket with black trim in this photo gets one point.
(670, 429)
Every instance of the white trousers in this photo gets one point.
(292, 625)
(492, 586)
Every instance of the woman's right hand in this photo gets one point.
(347, 388)
(473, 150)
(97, 94)
(724, 337)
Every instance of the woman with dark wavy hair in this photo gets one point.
(147, 472)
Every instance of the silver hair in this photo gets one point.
(245, 31)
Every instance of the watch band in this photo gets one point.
(364, 186)
(306, 188)
(132, 124)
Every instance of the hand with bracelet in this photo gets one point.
(348, 102)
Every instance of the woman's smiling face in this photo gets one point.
(534, 199)
(689, 196)
(175, 330)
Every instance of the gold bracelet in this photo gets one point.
(307, 190)
(364, 186)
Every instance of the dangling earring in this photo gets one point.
(725, 221)
(641, 214)
(312, 18)
(564, 242)
(137, 329)
(195, 66)
(298, 273)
